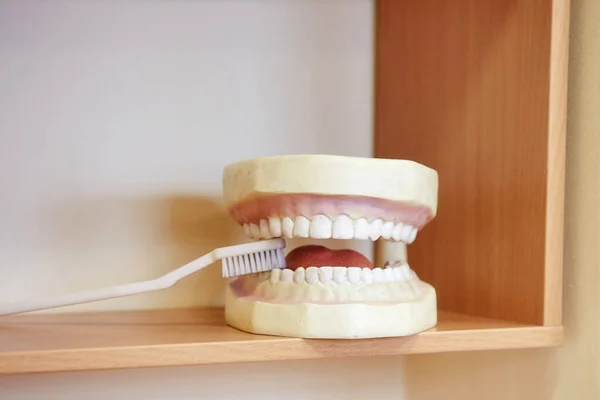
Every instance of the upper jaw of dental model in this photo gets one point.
(331, 197)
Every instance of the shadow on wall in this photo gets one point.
(126, 239)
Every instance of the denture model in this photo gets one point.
(324, 293)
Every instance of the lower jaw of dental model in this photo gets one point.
(323, 293)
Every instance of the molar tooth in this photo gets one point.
(299, 275)
(263, 276)
(254, 231)
(264, 229)
(377, 274)
(406, 272)
(312, 275)
(275, 274)
(406, 232)
(325, 274)
(342, 227)
(387, 229)
(340, 274)
(375, 229)
(388, 275)
(397, 232)
(413, 236)
(247, 230)
(361, 229)
(287, 275)
(301, 227)
(397, 273)
(367, 277)
(275, 226)
(354, 274)
(320, 227)
(287, 226)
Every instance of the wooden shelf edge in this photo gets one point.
(140, 344)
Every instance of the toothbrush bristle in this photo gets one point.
(253, 263)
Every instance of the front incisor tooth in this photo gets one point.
(275, 226)
(247, 230)
(320, 227)
(299, 275)
(367, 277)
(264, 229)
(375, 229)
(342, 227)
(361, 229)
(397, 232)
(287, 227)
(275, 274)
(325, 274)
(255, 231)
(287, 275)
(301, 227)
(387, 229)
(312, 275)
(340, 274)
(354, 275)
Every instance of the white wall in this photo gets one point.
(116, 118)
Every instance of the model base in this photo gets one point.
(333, 321)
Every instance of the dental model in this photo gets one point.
(323, 293)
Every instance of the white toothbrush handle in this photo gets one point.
(163, 282)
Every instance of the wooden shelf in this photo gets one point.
(137, 339)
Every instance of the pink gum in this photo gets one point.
(308, 205)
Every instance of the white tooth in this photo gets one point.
(367, 277)
(377, 274)
(397, 232)
(287, 275)
(299, 275)
(287, 226)
(320, 227)
(413, 236)
(406, 232)
(255, 231)
(275, 226)
(263, 276)
(325, 274)
(397, 273)
(264, 229)
(354, 274)
(275, 274)
(388, 275)
(340, 274)
(312, 275)
(375, 229)
(361, 229)
(301, 227)
(247, 229)
(342, 227)
(387, 229)
(406, 272)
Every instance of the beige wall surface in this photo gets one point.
(116, 119)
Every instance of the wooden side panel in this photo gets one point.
(464, 87)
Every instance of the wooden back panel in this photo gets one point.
(464, 87)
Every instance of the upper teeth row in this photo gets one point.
(339, 275)
(322, 227)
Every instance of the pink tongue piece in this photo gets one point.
(321, 256)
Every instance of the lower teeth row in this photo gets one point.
(322, 227)
(339, 275)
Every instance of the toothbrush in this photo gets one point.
(236, 260)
